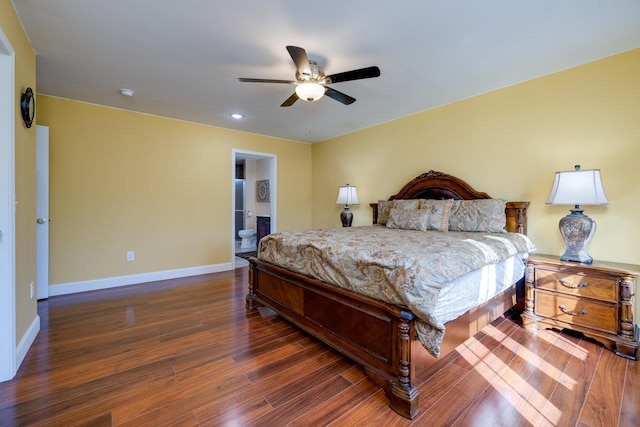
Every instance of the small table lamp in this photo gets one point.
(577, 187)
(347, 196)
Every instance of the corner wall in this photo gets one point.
(509, 143)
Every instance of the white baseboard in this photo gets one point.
(112, 282)
(27, 339)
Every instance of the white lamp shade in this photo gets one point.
(310, 91)
(347, 196)
(579, 187)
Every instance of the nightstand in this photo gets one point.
(595, 299)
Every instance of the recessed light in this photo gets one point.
(126, 92)
(236, 116)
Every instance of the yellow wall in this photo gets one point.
(25, 176)
(509, 143)
(123, 181)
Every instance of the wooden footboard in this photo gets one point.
(374, 334)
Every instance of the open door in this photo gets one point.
(42, 211)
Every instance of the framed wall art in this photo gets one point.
(262, 191)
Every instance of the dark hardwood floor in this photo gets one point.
(187, 353)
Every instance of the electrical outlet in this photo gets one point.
(31, 290)
(130, 256)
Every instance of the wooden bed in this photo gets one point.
(377, 335)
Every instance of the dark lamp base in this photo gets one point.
(577, 230)
(346, 217)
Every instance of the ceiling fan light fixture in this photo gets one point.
(310, 91)
(312, 84)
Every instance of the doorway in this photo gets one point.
(254, 199)
(8, 105)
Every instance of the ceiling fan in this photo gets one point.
(312, 84)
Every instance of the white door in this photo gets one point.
(42, 210)
(8, 105)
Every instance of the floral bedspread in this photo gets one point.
(402, 267)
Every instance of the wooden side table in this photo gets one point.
(595, 299)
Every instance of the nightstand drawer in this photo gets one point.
(577, 311)
(601, 288)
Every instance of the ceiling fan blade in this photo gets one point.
(362, 73)
(339, 96)
(249, 80)
(299, 56)
(290, 100)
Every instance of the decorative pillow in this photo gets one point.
(406, 219)
(478, 215)
(384, 206)
(406, 204)
(440, 211)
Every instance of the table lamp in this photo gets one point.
(347, 196)
(577, 187)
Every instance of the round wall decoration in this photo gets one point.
(28, 107)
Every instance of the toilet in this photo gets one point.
(248, 238)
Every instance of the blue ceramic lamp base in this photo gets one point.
(346, 216)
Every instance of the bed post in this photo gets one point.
(250, 302)
(517, 217)
(529, 319)
(403, 397)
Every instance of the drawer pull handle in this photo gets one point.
(572, 313)
(567, 285)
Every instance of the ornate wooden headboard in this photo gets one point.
(438, 185)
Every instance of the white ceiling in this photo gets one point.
(182, 58)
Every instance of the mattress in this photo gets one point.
(462, 294)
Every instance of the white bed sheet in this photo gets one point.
(462, 294)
